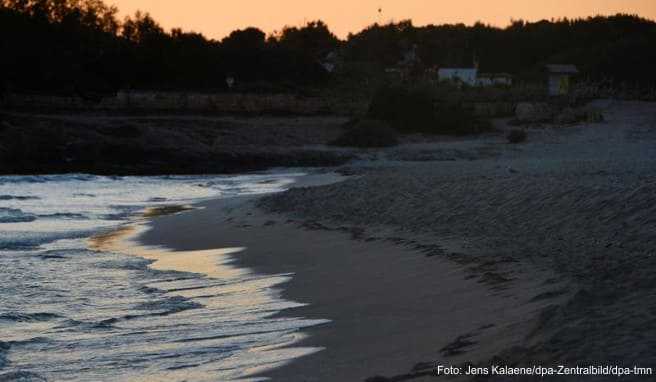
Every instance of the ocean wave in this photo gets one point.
(160, 308)
(17, 246)
(120, 302)
(48, 256)
(123, 212)
(28, 317)
(69, 252)
(61, 253)
(133, 263)
(28, 241)
(170, 305)
(13, 215)
(117, 217)
(64, 216)
(4, 348)
(22, 179)
(87, 326)
(20, 198)
(149, 290)
(22, 376)
(47, 178)
(83, 194)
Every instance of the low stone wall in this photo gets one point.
(191, 102)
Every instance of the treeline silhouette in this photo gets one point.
(77, 46)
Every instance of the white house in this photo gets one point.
(494, 79)
(458, 75)
(559, 78)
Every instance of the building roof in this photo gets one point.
(450, 70)
(562, 69)
(496, 75)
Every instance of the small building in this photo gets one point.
(458, 75)
(559, 78)
(494, 79)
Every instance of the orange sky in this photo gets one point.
(216, 18)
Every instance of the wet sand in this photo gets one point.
(393, 310)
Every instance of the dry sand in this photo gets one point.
(534, 254)
(579, 201)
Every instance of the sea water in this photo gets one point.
(69, 313)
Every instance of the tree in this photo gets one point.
(314, 40)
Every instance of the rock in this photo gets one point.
(528, 112)
(569, 116)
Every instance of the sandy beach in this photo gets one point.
(327, 192)
(538, 253)
(393, 310)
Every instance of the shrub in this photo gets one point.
(367, 133)
(122, 131)
(3, 123)
(407, 110)
(594, 115)
(453, 118)
(573, 116)
(517, 136)
(417, 110)
(515, 122)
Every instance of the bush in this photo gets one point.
(594, 115)
(122, 131)
(417, 110)
(3, 124)
(367, 133)
(573, 116)
(453, 118)
(517, 136)
(407, 110)
(515, 122)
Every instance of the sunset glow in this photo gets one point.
(217, 18)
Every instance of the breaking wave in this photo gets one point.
(14, 215)
(71, 313)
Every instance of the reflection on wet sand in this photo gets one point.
(152, 212)
(233, 295)
(213, 263)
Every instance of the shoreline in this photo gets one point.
(166, 144)
(394, 312)
(542, 253)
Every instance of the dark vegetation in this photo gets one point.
(421, 110)
(572, 116)
(515, 136)
(144, 146)
(409, 110)
(367, 133)
(81, 47)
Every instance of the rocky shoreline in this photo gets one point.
(164, 145)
